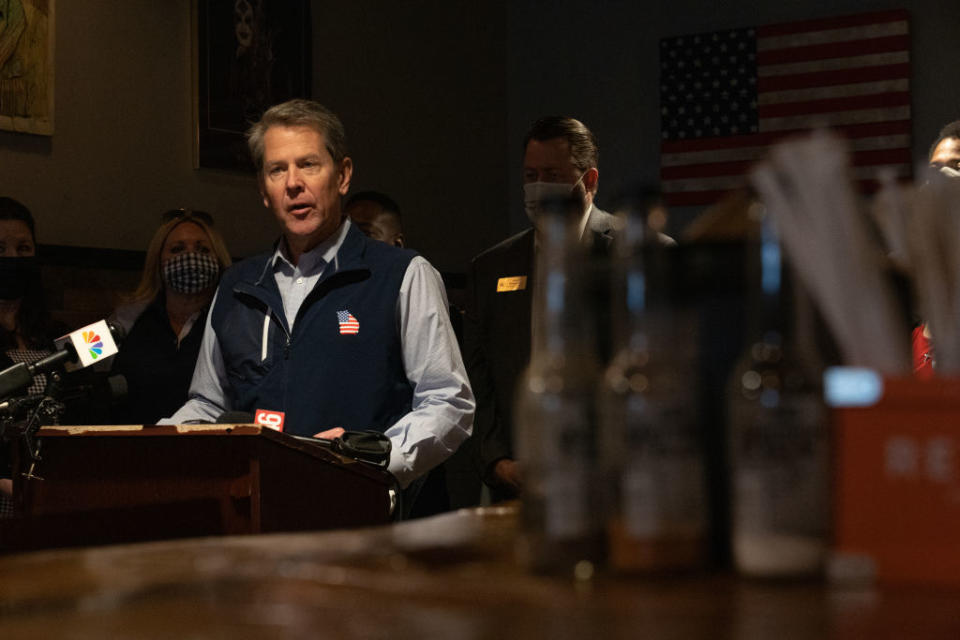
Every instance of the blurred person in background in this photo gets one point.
(377, 215)
(944, 156)
(945, 150)
(560, 160)
(165, 315)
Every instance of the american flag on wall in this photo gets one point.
(726, 96)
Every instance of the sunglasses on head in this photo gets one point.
(186, 214)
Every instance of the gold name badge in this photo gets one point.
(513, 283)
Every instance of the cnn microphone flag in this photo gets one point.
(348, 324)
(728, 95)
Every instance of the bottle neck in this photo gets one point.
(631, 300)
(630, 305)
(560, 297)
(770, 309)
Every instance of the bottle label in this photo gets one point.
(665, 499)
(564, 458)
(568, 512)
(663, 484)
(782, 468)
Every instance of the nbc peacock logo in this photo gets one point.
(91, 340)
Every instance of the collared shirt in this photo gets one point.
(582, 227)
(296, 281)
(443, 404)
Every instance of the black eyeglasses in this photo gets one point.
(186, 214)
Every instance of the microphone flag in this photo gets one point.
(92, 343)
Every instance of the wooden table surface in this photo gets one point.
(451, 576)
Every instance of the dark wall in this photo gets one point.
(599, 62)
(436, 97)
(122, 150)
(422, 91)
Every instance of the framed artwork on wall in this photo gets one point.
(26, 66)
(249, 55)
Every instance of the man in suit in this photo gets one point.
(560, 161)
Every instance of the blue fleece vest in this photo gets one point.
(319, 374)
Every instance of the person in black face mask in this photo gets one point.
(25, 324)
(165, 316)
(26, 330)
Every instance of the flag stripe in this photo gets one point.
(768, 97)
(756, 152)
(861, 116)
(700, 198)
(810, 38)
(894, 58)
(830, 78)
(860, 158)
(851, 103)
(833, 50)
(853, 131)
(737, 181)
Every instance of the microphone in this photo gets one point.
(117, 386)
(235, 417)
(103, 389)
(84, 346)
(12, 406)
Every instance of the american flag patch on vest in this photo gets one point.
(348, 324)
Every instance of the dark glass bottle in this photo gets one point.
(651, 446)
(555, 422)
(778, 445)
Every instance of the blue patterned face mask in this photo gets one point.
(191, 272)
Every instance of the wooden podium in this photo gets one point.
(113, 484)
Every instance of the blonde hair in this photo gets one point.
(151, 281)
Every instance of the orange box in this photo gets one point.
(897, 485)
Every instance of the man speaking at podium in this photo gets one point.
(334, 329)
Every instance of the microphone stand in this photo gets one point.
(45, 409)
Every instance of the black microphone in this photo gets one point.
(19, 376)
(117, 386)
(105, 389)
(235, 417)
(13, 406)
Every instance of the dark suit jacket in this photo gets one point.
(497, 334)
(497, 345)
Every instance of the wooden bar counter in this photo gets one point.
(450, 576)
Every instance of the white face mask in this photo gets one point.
(536, 193)
(949, 172)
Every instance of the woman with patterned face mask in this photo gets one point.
(164, 317)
